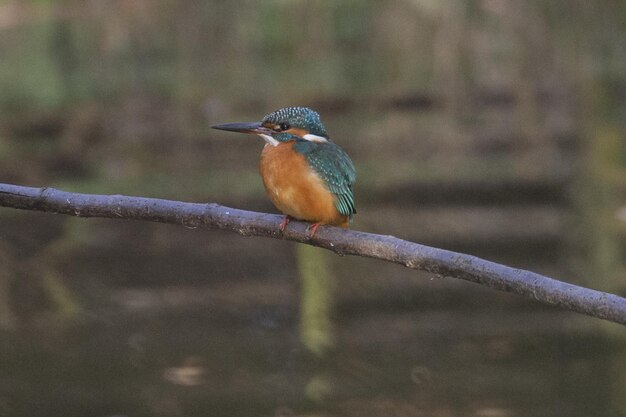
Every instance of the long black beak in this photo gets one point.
(254, 127)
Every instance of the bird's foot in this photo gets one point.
(284, 223)
(312, 229)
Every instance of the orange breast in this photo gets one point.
(295, 188)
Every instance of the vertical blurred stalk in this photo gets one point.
(65, 55)
(316, 329)
(46, 267)
(530, 60)
(605, 254)
(602, 152)
(7, 273)
(599, 201)
(601, 256)
(450, 57)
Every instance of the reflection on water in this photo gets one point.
(487, 127)
(207, 362)
(198, 333)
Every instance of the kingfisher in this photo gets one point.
(306, 175)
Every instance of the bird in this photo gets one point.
(306, 175)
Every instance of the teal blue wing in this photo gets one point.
(334, 166)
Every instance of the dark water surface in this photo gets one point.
(211, 362)
(206, 331)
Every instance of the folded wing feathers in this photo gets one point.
(335, 168)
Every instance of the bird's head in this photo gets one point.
(289, 123)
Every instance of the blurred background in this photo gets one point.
(491, 127)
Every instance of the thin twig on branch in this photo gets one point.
(345, 242)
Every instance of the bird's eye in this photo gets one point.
(284, 126)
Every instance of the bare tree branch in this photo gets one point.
(345, 242)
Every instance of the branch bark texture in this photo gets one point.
(344, 242)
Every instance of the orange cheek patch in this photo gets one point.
(297, 131)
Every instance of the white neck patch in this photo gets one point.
(269, 140)
(314, 138)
